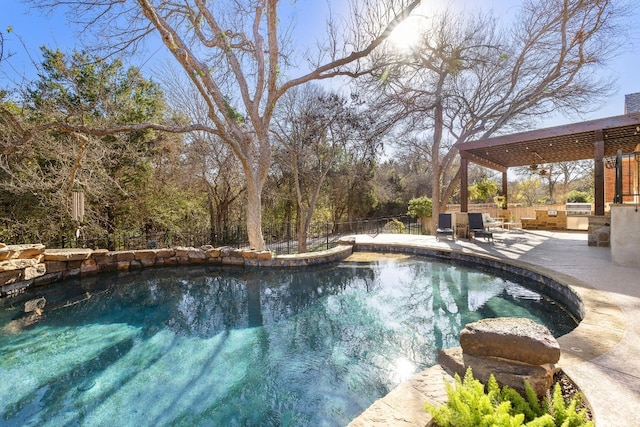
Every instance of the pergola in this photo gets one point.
(594, 139)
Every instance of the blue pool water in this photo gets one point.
(218, 346)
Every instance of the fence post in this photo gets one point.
(617, 198)
(326, 227)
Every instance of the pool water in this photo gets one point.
(218, 346)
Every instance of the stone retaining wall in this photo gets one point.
(544, 221)
(23, 266)
(600, 230)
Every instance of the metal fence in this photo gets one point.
(281, 238)
(627, 183)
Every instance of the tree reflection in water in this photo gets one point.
(233, 346)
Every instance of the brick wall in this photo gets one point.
(628, 170)
(609, 185)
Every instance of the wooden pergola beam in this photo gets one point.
(593, 139)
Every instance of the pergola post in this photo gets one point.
(598, 191)
(464, 184)
(504, 189)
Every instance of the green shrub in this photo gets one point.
(420, 207)
(394, 226)
(470, 404)
(576, 196)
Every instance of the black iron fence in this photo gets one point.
(281, 238)
(627, 183)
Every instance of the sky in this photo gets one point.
(32, 29)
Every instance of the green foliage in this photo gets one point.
(483, 189)
(114, 170)
(420, 207)
(501, 201)
(576, 196)
(232, 112)
(471, 404)
(395, 226)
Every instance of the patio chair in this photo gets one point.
(444, 226)
(477, 228)
(490, 223)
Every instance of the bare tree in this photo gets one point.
(210, 159)
(235, 53)
(469, 79)
(568, 173)
(1, 46)
(303, 129)
(318, 130)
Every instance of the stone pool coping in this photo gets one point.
(26, 266)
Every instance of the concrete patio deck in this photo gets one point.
(602, 355)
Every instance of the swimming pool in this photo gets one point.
(234, 346)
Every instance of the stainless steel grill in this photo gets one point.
(578, 209)
(577, 214)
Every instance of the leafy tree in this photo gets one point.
(391, 185)
(43, 165)
(483, 190)
(577, 196)
(351, 189)
(421, 207)
(529, 190)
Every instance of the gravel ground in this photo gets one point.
(569, 389)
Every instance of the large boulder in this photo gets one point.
(78, 254)
(21, 251)
(506, 372)
(517, 339)
(17, 264)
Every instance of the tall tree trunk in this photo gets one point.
(302, 234)
(254, 215)
(435, 159)
(212, 215)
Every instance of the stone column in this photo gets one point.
(625, 235)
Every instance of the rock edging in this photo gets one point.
(23, 266)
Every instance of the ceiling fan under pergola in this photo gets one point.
(535, 167)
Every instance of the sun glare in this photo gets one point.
(407, 34)
(403, 369)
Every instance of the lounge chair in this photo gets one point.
(490, 223)
(444, 226)
(477, 228)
